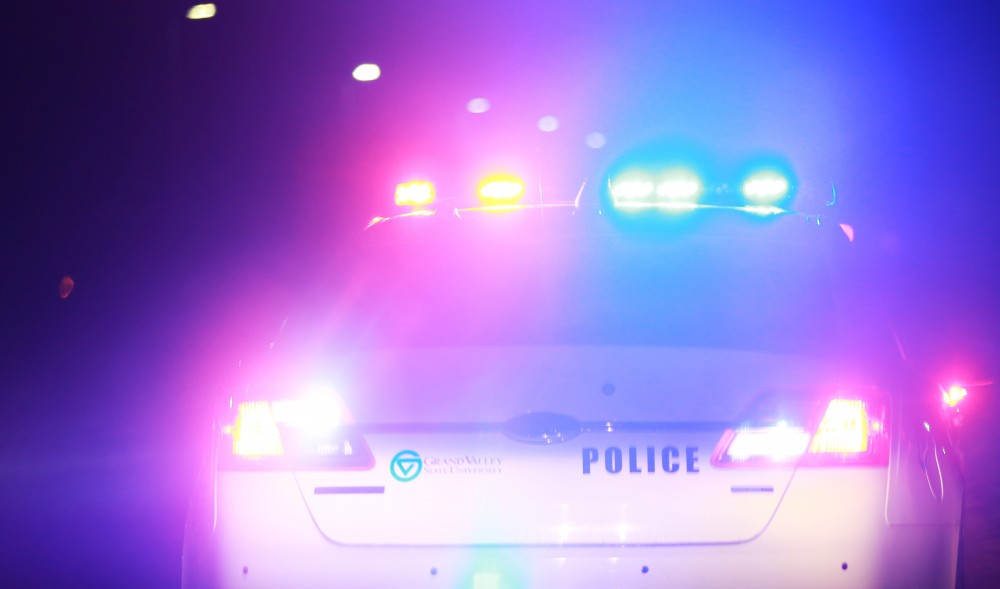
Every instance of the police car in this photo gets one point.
(668, 384)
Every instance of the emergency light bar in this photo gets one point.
(675, 188)
(953, 396)
(416, 194)
(501, 190)
(764, 188)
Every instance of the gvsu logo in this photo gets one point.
(406, 465)
(670, 459)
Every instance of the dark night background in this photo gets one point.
(189, 174)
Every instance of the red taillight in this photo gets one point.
(848, 431)
(315, 432)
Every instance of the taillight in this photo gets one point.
(255, 431)
(842, 430)
(776, 444)
(315, 432)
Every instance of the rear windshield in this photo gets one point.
(587, 289)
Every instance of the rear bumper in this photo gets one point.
(825, 534)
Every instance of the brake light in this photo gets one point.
(255, 432)
(313, 432)
(844, 430)
(778, 444)
(852, 431)
(848, 431)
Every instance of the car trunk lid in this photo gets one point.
(557, 445)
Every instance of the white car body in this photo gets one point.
(587, 464)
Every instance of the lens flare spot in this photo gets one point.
(66, 287)
(478, 106)
(595, 140)
(201, 11)
(548, 124)
(367, 72)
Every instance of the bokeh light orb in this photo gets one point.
(366, 72)
(478, 106)
(201, 11)
(66, 287)
(548, 124)
(595, 140)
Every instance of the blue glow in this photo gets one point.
(765, 187)
(763, 210)
(672, 189)
(632, 187)
(766, 179)
(678, 185)
(667, 174)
